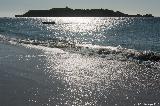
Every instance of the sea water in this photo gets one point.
(80, 61)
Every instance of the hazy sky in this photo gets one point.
(12, 7)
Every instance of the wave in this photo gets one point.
(88, 49)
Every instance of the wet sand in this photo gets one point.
(40, 76)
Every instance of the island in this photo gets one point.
(68, 12)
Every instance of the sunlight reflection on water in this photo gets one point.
(77, 78)
(85, 29)
(96, 81)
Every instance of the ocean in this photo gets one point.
(80, 61)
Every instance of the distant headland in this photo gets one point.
(68, 12)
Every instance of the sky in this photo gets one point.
(9, 8)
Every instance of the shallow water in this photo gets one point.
(40, 75)
(44, 76)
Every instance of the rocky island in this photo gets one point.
(68, 12)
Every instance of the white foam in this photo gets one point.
(46, 49)
(96, 46)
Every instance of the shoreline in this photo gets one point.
(35, 75)
(90, 49)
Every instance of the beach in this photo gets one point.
(47, 76)
(38, 68)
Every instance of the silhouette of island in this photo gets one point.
(68, 12)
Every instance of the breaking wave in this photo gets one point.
(109, 52)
